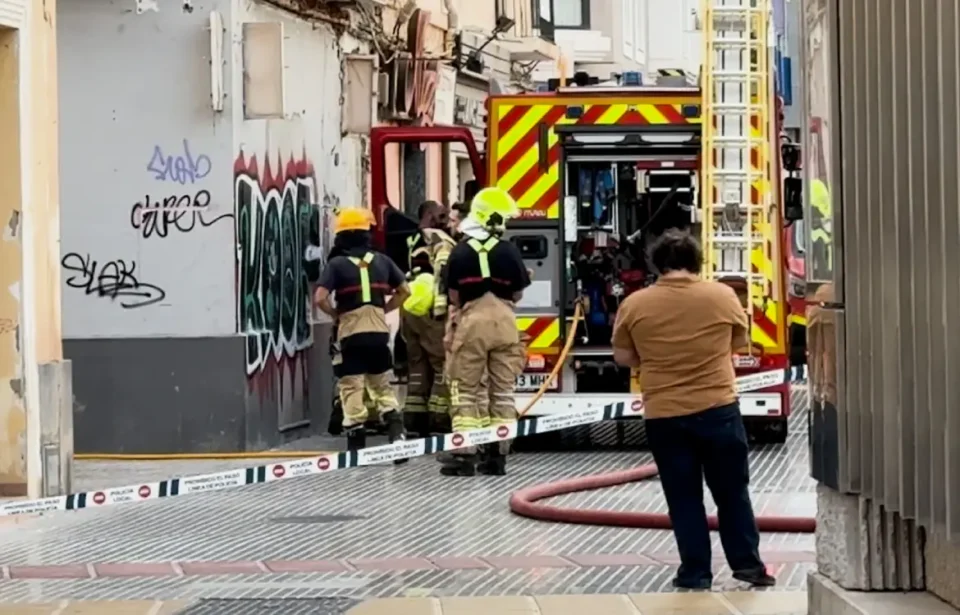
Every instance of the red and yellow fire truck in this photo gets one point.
(597, 171)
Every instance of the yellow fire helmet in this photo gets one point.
(353, 219)
(490, 203)
(421, 296)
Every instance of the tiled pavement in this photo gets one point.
(726, 603)
(372, 532)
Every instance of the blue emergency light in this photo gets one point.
(632, 78)
(574, 112)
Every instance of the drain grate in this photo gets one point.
(311, 606)
(315, 519)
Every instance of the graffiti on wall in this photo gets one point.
(180, 167)
(115, 280)
(276, 221)
(155, 217)
(151, 216)
(183, 210)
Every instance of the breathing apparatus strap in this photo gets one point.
(363, 264)
(483, 250)
(411, 243)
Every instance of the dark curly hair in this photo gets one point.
(462, 208)
(675, 250)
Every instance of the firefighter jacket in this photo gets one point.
(434, 253)
(820, 265)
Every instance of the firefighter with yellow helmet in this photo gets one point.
(485, 277)
(360, 280)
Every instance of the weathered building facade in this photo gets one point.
(212, 134)
(35, 412)
(220, 135)
(472, 48)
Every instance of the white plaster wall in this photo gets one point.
(324, 163)
(136, 126)
(312, 71)
(671, 38)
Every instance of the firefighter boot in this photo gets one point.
(395, 433)
(492, 460)
(356, 438)
(439, 423)
(459, 465)
(417, 423)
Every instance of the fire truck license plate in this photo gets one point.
(533, 382)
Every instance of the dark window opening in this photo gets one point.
(414, 177)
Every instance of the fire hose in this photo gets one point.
(528, 503)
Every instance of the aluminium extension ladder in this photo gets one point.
(737, 175)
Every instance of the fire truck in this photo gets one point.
(794, 239)
(599, 169)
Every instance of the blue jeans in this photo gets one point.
(711, 444)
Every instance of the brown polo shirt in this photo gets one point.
(684, 330)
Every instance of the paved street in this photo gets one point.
(331, 543)
(727, 603)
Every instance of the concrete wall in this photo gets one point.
(635, 35)
(288, 170)
(672, 39)
(147, 167)
(600, 49)
(187, 306)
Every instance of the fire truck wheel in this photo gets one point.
(769, 431)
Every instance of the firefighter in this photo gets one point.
(485, 277)
(821, 232)
(313, 257)
(458, 213)
(360, 280)
(427, 405)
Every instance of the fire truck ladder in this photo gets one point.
(736, 175)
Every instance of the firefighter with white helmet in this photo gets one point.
(361, 280)
(485, 277)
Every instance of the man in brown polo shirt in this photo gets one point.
(681, 333)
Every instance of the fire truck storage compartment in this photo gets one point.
(538, 245)
(615, 201)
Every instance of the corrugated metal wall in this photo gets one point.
(885, 344)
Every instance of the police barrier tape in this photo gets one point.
(374, 455)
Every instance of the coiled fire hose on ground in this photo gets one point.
(527, 502)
